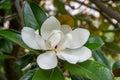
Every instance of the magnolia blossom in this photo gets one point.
(59, 41)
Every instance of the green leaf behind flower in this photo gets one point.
(54, 74)
(94, 42)
(28, 75)
(100, 56)
(90, 69)
(33, 15)
(15, 37)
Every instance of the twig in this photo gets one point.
(109, 20)
(106, 10)
(87, 5)
(102, 13)
(19, 10)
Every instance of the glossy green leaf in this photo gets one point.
(33, 15)
(76, 77)
(116, 69)
(14, 37)
(23, 61)
(60, 6)
(76, 23)
(100, 56)
(54, 74)
(6, 45)
(94, 42)
(3, 56)
(113, 47)
(5, 4)
(28, 75)
(116, 65)
(90, 69)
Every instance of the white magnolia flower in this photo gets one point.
(58, 41)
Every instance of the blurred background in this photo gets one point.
(101, 17)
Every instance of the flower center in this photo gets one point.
(56, 47)
(53, 40)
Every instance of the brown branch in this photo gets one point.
(102, 13)
(109, 20)
(106, 9)
(87, 5)
(8, 65)
(18, 8)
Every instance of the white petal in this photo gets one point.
(41, 42)
(47, 60)
(28, 36)
(48, 26)
(83, 53)
(54, 38)
(73, 59)
(79, 38)
(66, 29)
(65, 42)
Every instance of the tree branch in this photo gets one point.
(8, 65)
(102, 13)
(106, 10)
(87, 5)
(19, 10)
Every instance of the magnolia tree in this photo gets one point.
(45, 46)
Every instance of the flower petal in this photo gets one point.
(28, 36)
(41, 42)
(65, 42)
(79, 38)
(73, 59)
(48, 26)
(83, 53)
(47, 60)
(66, 29)
(54, 39)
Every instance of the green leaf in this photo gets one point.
(95, 41)
(112, 46)
(6, 45)
(116, 65)
(28, 75)
(3, 56)
(90, 69)
(54, 74)
(116, 69)
(23, 61)
(15, 37)
(76, 77)
(5, 5)
(61, 7)
(33, 15)
(100, 56)
(76, 23)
